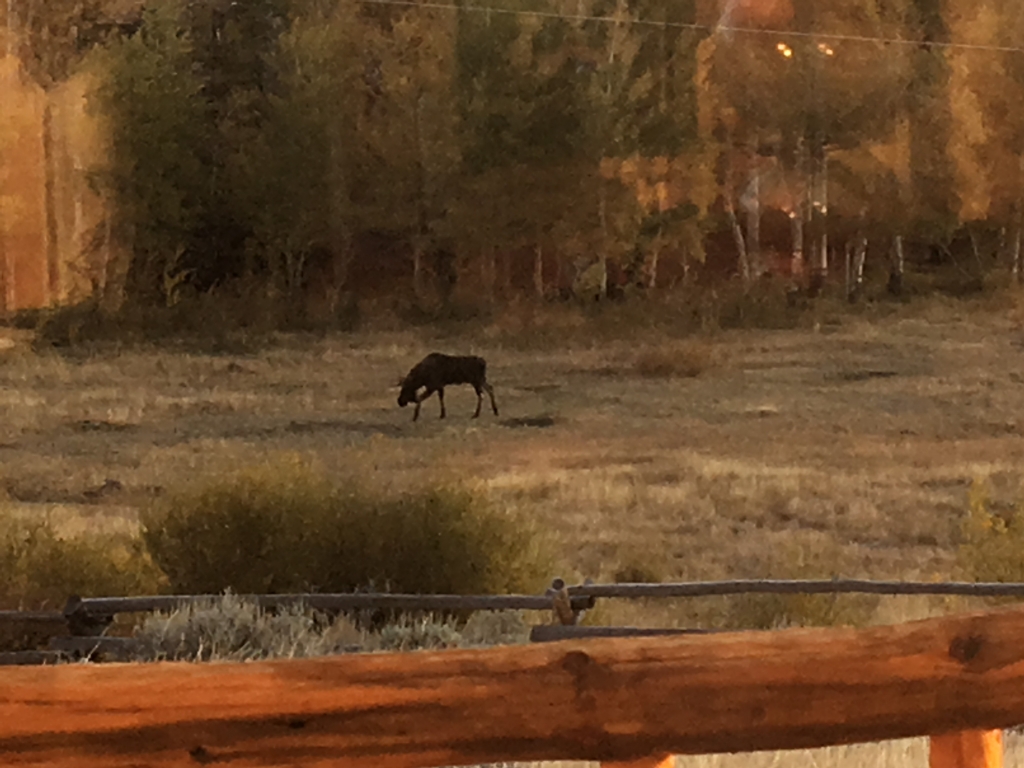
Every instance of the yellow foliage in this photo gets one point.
(992, 547)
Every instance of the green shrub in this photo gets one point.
(285, 528)
(40, 569)
(992, 543)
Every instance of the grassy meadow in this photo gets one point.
(844, 448)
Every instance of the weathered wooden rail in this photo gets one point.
(86, 619)
(615, 700)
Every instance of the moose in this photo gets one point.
(436, 371)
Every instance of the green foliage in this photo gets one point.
(285, 528)
(992, 545)
(151, 100)
(225, 135)
(40, 568)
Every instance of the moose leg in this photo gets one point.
(479, 399)
(490, 392)
(420, 399)
(440, 396)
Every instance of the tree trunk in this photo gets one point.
(796, 228)
(6, 271)
(754, 226)
(855, 272)
(847, 254)
(652, 271)
(1014, 238)
(422, 226)
(737, 236)
(823, 218)
(417, 269)
(538, 271)
(53, 282)
(858, 263)
(895, 285)
(79, 247)
(116, 266)
(488, 272)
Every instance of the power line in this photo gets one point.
(699, 27)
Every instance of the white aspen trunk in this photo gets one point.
(754, 226)
(896, 266)
(737, 236)
(796, 228)
(858, 261)
(823, 265)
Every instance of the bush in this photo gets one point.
(284, 528)
(40, 569)
(234, 628)
(992, 544)
(680, 360)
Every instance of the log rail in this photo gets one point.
(621, 700)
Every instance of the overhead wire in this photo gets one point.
(709, 28)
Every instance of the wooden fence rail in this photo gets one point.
(89, 617)
(620, 700)
(99, 610)
(799, 586)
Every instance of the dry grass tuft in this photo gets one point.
(687, 360)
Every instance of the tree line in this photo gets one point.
(538, 145)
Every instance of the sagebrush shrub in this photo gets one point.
(283, 527)
(41, 569)
(992, 544)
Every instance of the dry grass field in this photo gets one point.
(858, 440)
(848, 449)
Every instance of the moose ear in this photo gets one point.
(399, 381)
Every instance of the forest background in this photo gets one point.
(292, 159)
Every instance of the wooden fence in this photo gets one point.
(633, 701)
(78, 630)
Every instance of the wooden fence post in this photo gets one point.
(967, 749)
(655, 761)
